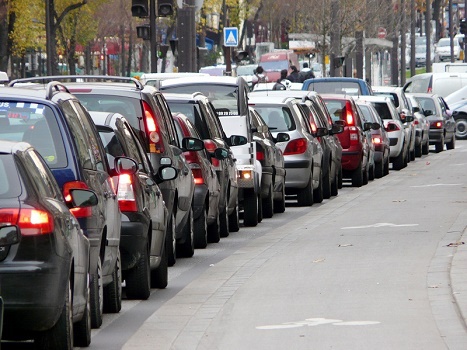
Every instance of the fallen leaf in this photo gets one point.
(319, 260)
(345, 245)
(456, 244)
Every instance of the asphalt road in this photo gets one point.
(377, 267)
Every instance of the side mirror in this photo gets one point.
(192, 144)
(282, 137)
(320, 132)
(340, 122)
(124, 165)
(82, 198)
(409, 118)
(375, 126)
(262, 129)
(221, 153)
(427, 112)
(8, 235)
(165, 173)
(237, 140)
(165, 161)
(337, 128)
(367, 126)
(392, 127)
(415, 109)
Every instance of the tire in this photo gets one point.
(268, 204)
(412, 155)
(305, 195)
(386, 166)
(260, 208)
(160, 275)
(318, 192)
(418, 150)
(357, 176)
(97, 296)
(366, 174)
(439, 147)
(187, 249)
(170, 242)
(399, 162)
(250, 208)
(60, 336)
(113, 291)
(82, 328)
(234, 219)
(279, 204)
(461, 128)
(379, 169)
(341, 181)
(451, 144)
(426, 148)
(201, 230)
(224, 229)
(335, 185)
(138, 279)
(327, 184)
(371, 174)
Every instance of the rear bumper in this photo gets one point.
(435, 135)
(351, 159)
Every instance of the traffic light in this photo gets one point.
(165, 8)
(463, 26)
(139, 8)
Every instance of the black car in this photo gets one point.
(144, 214)
(44, 255)
(60, 128)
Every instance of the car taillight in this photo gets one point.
(296, 146)
(197, 173)
(126, 194)
(376, 140)
(32, 222)
(436, 125)
(259, 155)
(392, 127)
(416, 122)
(155, 138)
(349, 118)
(78, 212)
(211, 147)
(313, 124)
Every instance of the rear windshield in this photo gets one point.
(337, 109)
(192, 113)
(336, 87)
(270, 66)
(419, 84)
(392, 96)
(383, 110)
(278, 118)
(223, 97)
(427, 104)
(34, 123)
(10, 186)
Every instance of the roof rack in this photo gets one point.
(55, 86)
(103, 78)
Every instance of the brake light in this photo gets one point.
(376, 140)
(259, 155)
(297, 146)
(78, 212)
(197, 173)
(430, 90)
(349, 119)
(312, 124)
(436, 125)
(155, 138)
(211, 147)
(392, 127)
(416, 122)
(126, 194)
(32, 222)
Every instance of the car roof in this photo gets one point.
(271, 100)
(171, 96)
(337, 96)
(422, 94)
(375, 98)
(386, 88)
(199, 80)
(10, 147)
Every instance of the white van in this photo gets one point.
(441, 84)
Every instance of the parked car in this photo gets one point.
(202, 114)
(441, 84)
(61, 130)
(303, 155)
(402, 105)
(398, 138)
(422, 127)
(338, 85)
(459, 113)
(442, 124)
(146, 110)
(44, 255)
(379, 138)
(443, 49)
(144, 214)
(272, 166)
(207, 188)
(229, 96)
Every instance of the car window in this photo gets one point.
(10, 186)
(383, 110)
(337, 109)
(427, 104)
(302, 117)
(42, 178)
(163, 112)
(36, 124)
(193, 114)
(335, 87)
(278, 118)
(393, 96)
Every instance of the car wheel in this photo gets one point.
(461, 128)
(82, 328)
(268, 204)
(305, 195)
(379, 169)
(97, 296)
(439, 147)
(234, 219)
(418, 150)
(451, 144)
(260, 208)
(357, 176)
(113, 291)
(426, 148)
(412, 154)
(170, 242)
(399, 161)
(160, 275)
(187, 249)
(224, 229)
(327, 183)
(366, 174)
(335, 185)
(386, 166)
(279, 204)
(138, 279)
(250, 208)
(201, 230)
(60, 336)
(371, 174)
(318, 195)
(341, 182)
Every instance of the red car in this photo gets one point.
(354, 141)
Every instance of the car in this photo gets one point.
(459, 113)
(144, 215)
(443, 83)
(202, 114)
(206, 209)
(155, 78)
(44, 255)
(58, 126)
(147, 111)
(398, 138)
(272, 167)
(338, 85)
(379, 138)
(422, 126)
(303, 154)
(402, 104)
(229, 96)
(443, 49)
(442, 124)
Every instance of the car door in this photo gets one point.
(449, 122)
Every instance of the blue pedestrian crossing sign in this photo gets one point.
(231, 36)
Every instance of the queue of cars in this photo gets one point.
(108, 180)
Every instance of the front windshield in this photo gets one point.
(444, 43)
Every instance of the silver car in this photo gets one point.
(422, 127)
(303, 154)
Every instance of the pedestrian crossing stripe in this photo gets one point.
(231, 36)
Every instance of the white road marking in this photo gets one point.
(310, 322)
(435, 185)
(381, 224)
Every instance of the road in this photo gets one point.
(377, 267)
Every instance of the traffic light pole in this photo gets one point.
(152, 35)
